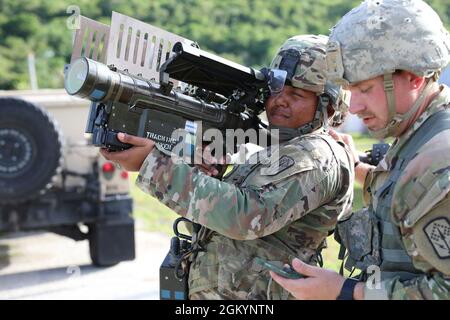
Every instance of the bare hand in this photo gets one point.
(130, 159)
(208, 169)
(347, 140)
(320, 284)
(210, 163)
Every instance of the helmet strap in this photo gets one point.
(320, 119)
(324, 101)
(394, 118)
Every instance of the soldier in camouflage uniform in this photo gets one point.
(275, 209)
(389, 53)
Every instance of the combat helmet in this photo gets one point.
(381, 36)
(303, 57)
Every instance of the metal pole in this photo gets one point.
(32, 71)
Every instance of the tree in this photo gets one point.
(248, 32)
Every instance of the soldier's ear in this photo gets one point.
(418, 82)
(415, 82)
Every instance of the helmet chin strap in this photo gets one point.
(320, 120)
(394, 118)
(324, 108)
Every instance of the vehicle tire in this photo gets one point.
(30, 150)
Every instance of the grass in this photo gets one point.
(156, 217)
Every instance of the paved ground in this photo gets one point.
(48, 266)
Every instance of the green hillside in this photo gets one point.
(248, 32)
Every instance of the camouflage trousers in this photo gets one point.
(209, 294)
(214, 294)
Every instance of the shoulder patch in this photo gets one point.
(275, 168)
(437, 232)
(428, 241)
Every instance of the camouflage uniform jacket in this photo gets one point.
(421, 209)
(286, 212)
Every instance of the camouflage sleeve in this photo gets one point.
(430, 252)
(238, 213)
(425, 287)
(428, 242)
(420, 207)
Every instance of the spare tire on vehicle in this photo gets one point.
(30, 150)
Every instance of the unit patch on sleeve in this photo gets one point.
(275, 168)
(438, 233)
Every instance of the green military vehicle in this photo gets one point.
(52, 179)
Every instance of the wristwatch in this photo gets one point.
(347, 289)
